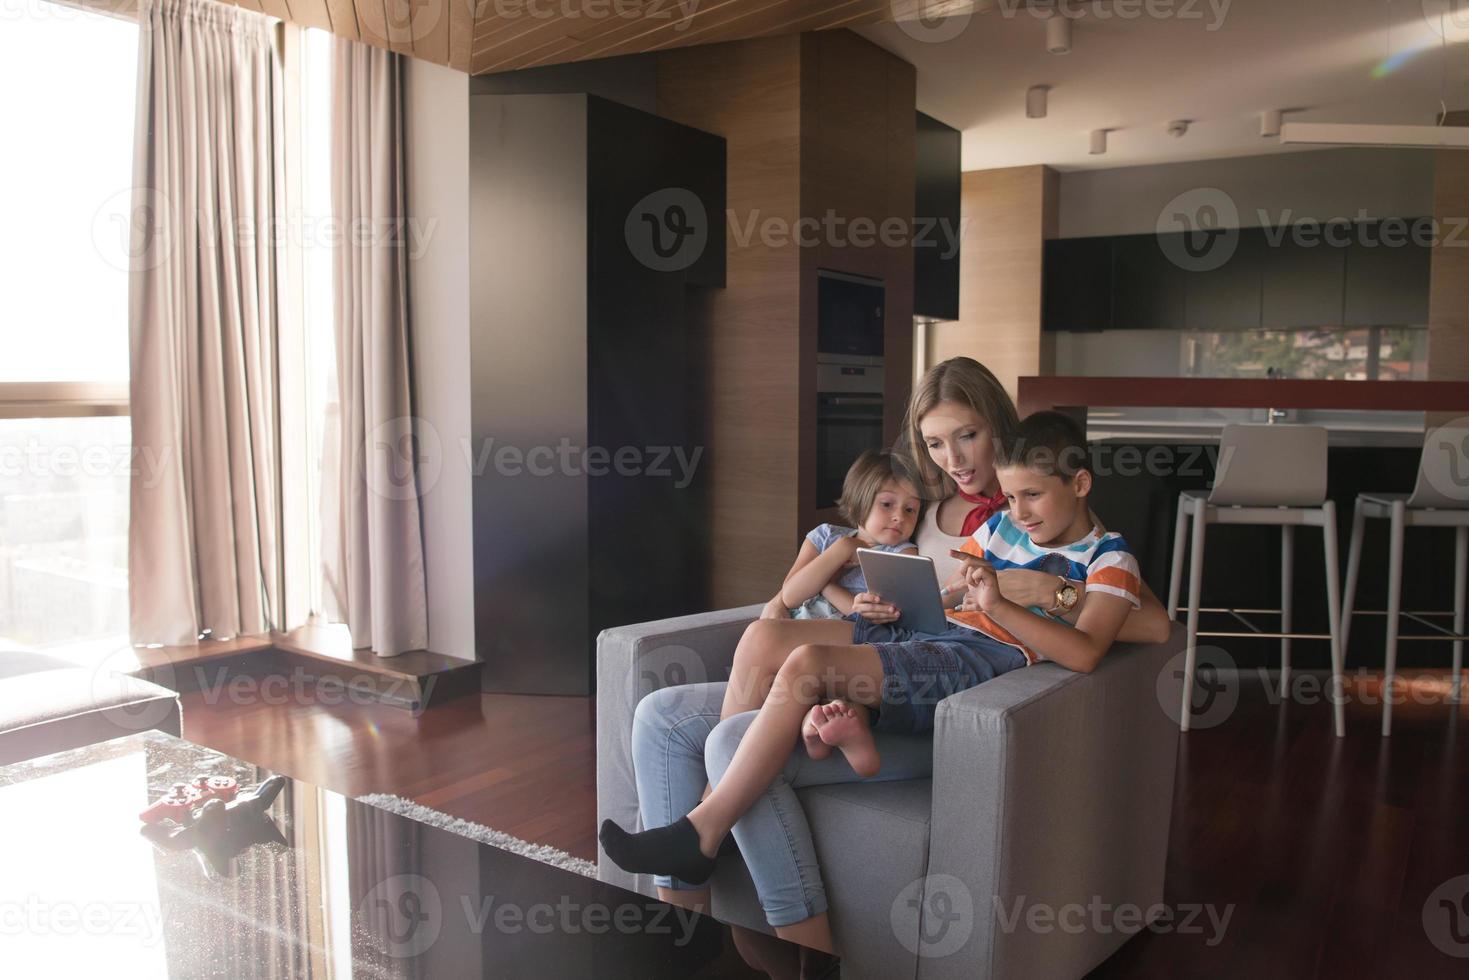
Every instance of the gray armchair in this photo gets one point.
(1049, 789)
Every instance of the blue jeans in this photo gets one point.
(679, 743)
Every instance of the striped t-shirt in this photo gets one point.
(1101, 560)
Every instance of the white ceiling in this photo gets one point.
(1135, 74)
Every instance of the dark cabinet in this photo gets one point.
(1301, 285)
(1077, 284)
(1227, 296)
(936, 199)
(594, 230)
(1366, 274)
(1148, 287)
(1386, 278)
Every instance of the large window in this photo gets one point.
(65, 190)
(319, 232)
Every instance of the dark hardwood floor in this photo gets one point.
(524, 765)
(1321, 851)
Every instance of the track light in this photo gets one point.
(1178, 128)
(1099, 142)
(1035, 101)
(1340, 134)
(1270, 122)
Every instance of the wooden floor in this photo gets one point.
(1322, 851)
(524, 765)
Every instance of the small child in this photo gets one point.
(881, 502)
(1048, 526)
(879, 497)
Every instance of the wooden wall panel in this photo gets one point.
(1005, 214)
(815, 123)
(748, 92)
(1448, 301)
(858, 133)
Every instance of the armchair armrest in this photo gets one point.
(632, 662)
(1054, 789)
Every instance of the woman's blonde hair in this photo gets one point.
(968, 382)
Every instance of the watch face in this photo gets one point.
(1068, 596)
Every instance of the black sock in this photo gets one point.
(672, 850)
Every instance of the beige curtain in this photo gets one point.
(373, 545)
(203, 310)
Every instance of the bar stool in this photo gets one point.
(1272, 475)
(1440, 498)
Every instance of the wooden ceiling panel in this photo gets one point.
(344, 19)
(639, 34)
(309, 13)
(482, 36)
(461, 34)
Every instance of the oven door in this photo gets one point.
(846, 424)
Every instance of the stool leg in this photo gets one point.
(1287, 574)
(1195, 589)
(1354, 565)
(1461, 567)
(1333, 616)
(1175, 574)
(1394, 607)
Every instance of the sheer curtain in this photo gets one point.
(373, 540)
(203, 316)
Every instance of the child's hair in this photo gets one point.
(866, 478)
(1050, 443)
(968, 382)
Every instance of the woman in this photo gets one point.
(682, 734)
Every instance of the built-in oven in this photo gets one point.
(849, 376)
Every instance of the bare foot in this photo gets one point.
(846, 728)
(811, 735)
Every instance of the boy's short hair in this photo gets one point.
(1049, 443)
(865, 480)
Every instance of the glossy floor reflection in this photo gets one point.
(334, 888)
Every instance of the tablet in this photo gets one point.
(908, 582)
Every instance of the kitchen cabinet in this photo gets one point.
(1274, 278)
(1301, 286)
(1386, 284)
(1077, 284)
(1228, 297)
(1148, 288)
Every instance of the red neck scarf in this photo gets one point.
(987, 508)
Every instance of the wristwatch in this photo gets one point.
(1066, 596)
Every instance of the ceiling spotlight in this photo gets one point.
(1178, 127)
(1270, 122)
(1035, 101)
(1099, 142)
(1058, 33)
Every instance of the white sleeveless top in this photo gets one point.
(934, 543)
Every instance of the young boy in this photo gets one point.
(1042, 470)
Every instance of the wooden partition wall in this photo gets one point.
(814, 123)
(1448, 298)
(1007, 215)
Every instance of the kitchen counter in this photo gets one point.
(1152, 439)
(1386, 414)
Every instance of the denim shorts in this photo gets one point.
(921, 669)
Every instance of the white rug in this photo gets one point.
(478, 831)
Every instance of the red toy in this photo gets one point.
(181, 801)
